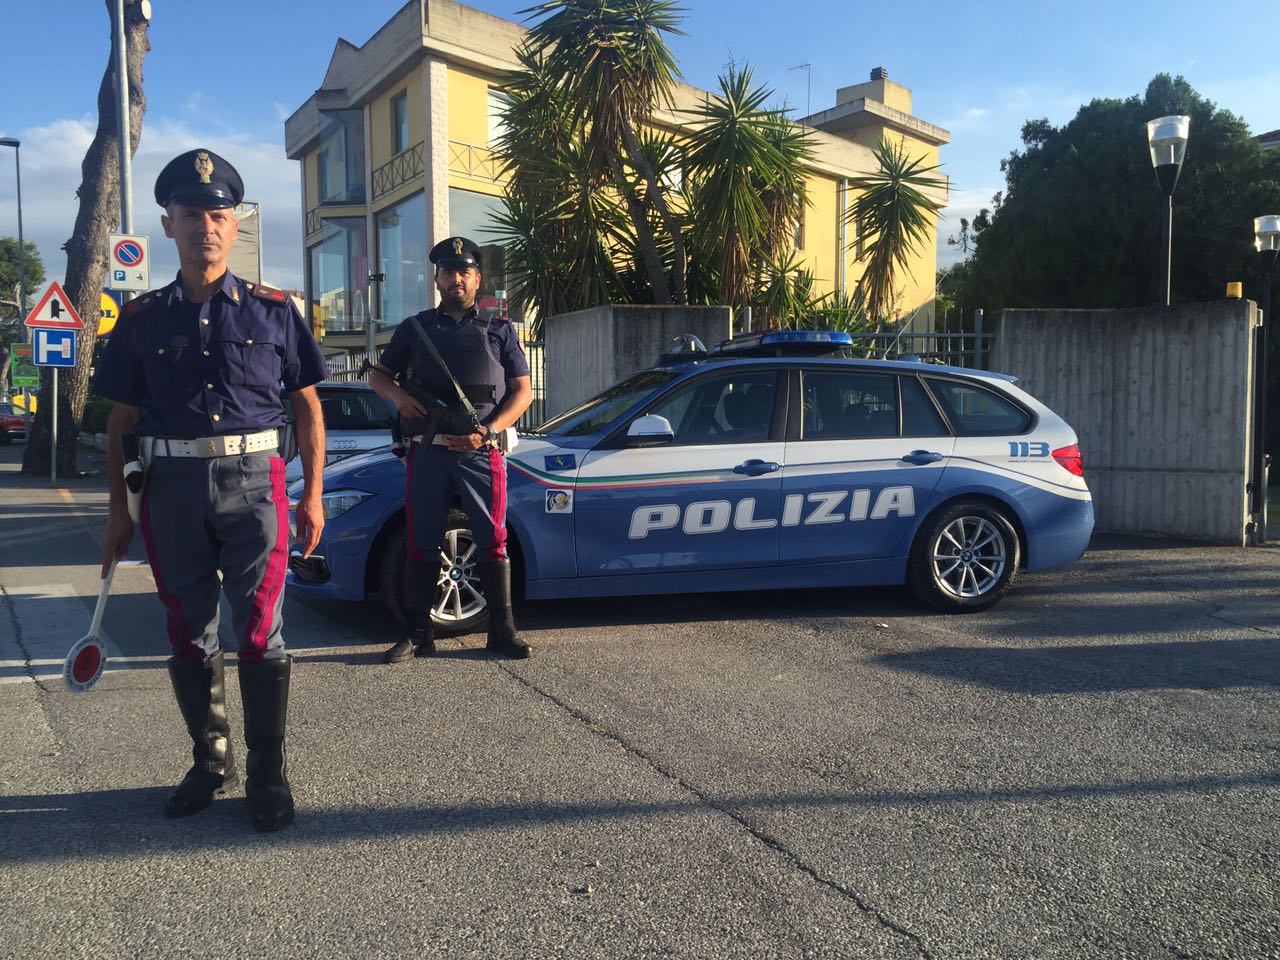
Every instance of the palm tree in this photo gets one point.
(893, 216)
(748, 163)
(610, 63)
(560, 231)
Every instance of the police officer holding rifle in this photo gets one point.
(195, 369)
(459, 380)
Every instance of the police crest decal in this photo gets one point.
(559, 501)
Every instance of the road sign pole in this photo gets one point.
(122, 110)
(53, 447)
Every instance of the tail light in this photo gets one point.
(1070, 460)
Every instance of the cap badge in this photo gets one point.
(204, 167)
(457, 246)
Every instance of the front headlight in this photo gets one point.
(333, 503)
(338, 502)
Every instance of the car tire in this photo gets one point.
(459, 605)
(964, 558)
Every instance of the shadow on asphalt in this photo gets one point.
(1194, 665)
(43, 827)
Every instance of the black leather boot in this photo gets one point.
(200, 691)
(419, 642)
(264, 688)
(420, 590)
(496, 580)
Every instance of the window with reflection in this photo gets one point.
(402, 257)
(848, 405)
(341, 157)
(400, 122)
(339, 268)
(471, 216)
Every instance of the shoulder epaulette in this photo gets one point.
(270, 294)
(146, 300)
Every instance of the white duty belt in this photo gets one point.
(227, 445)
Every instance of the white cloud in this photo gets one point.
(970, 118)
(51, 159)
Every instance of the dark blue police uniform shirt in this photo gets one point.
(202, 369)
(406, 348)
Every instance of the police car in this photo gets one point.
(771, 462)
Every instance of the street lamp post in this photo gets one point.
(22, 267)
(1167, 138)
(1266, 240)
(22, 252)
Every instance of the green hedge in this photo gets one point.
(96, 411)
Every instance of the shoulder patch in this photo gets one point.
(141, 303)
(267, 293)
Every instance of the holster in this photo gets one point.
(134, 474)
(288, 441)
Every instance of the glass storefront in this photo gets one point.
(341, 156)
(339, 267)
(402, 257)
(471, 216)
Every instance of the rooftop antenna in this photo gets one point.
(808, 82)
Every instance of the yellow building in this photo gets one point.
(394, 148)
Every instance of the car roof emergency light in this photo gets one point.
(785, 343)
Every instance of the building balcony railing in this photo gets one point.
(475, 162)
(399, 170)
(313, 221)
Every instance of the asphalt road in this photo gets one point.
(1091, 769)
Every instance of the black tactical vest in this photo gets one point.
(469, 353)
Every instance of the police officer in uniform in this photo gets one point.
(195, 369)
(488, 363)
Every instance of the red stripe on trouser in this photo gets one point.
(184, 647)
(497, 505)
(268, 592)
(416, 553)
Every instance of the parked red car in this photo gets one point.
(12, 426)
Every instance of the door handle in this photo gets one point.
(921, 457)
(754, 468)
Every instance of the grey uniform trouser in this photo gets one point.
(228, 515)
(435, 475)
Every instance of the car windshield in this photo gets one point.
(351, 410)
(602, 409)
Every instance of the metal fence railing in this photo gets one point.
(955, 343)
(347, 367)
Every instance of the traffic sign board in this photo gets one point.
(130, 263)
(22, 371)
(54, 348)
(55, 311)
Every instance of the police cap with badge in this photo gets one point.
(199, 178)
(455, 253)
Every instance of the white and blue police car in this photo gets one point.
(772, 461)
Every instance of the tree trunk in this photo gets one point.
(644, 233)
(669, 220)
(98, 216)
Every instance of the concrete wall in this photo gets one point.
(1160, 398)
(589, 350)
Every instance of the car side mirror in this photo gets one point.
(650, 430)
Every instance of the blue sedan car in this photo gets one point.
(771, 462)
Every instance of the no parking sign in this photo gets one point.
(129, 266)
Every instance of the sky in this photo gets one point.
(225, 76)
